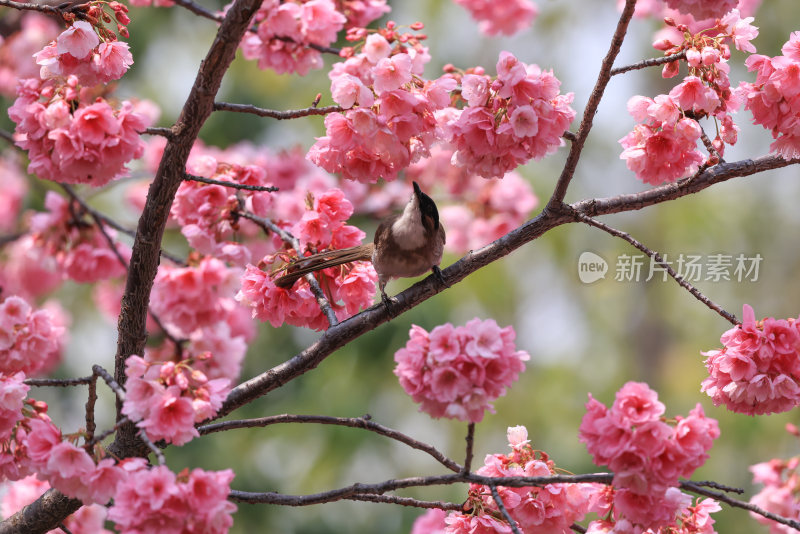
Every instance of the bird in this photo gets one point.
(406, 244)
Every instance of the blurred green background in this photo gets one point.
(582, 337)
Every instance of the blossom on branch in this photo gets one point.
(507, 121)
(456, 372)
(646, 454)
(505, 17)
(758, 369)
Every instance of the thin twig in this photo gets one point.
(108, 221)
(395, 484)
(596, 96)
(232, 185)
(8, 136)
(150, 445)
(353, 422)
(109, 380)
(405, 501)
(41, 8)
(658, 259)
(103, 435)
(197, 9)
(269, 226)
(720, 496)
(503, 510)
(59, 382)
(163, 132)
(64, 528)
(470, 439)
(650, 63)
(718, 486)
(274, 114)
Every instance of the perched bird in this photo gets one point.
(406, 244)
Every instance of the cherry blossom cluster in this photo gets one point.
(663, 147)
(703, 9)
(286, 31)
(689, 519)
(79, 51)
(349, 287)
(781, 480)
(290, 35)
(774, 99)
(646, 454)
(456, 372)
(13, 391)
(506, 121)
(188, 298)
(77, 245)
(29, 339)
(758, 369)
(158, 500)
(484, 209)
(16, 495)
(167, 399)
(506, 17)
(72, 135)
(546, 508)
(35, 32)
(389, 120)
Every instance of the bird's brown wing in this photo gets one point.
(323, 260)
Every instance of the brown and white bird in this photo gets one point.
(406, 244)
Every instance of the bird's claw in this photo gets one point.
(437, 272)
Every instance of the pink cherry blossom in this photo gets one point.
(506, 17)
(703, 9)
(156, 499)
(460, 376)
(548, 508)
(756, 371)
(78, 40)
(647, 454)
(12, 394)
(28, 338)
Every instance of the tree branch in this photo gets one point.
(649, 63)
(591, 107)
(353, 422)
(233, 185)
(695, 487)
(503, 510)
(369, 319)
(274, 114)
(660, 260)
(395, 484)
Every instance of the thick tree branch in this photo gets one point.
(47, 512)
(356, 326)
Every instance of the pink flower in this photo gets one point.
(756, 372)
(391, 73)
(29, 339)
(703, 9)
(348, 90)
(376, 48)
(460, 376)
(506, 17)
(636, 403)
(475, 89)
(12, 394)
(78, 40)
(693, 95)
(431, 522)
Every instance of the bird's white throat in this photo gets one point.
(407, 230)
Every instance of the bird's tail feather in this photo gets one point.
(323, 260)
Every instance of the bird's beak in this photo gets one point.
(417, 190)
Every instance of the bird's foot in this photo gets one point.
(389, 303)
(437, 272)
